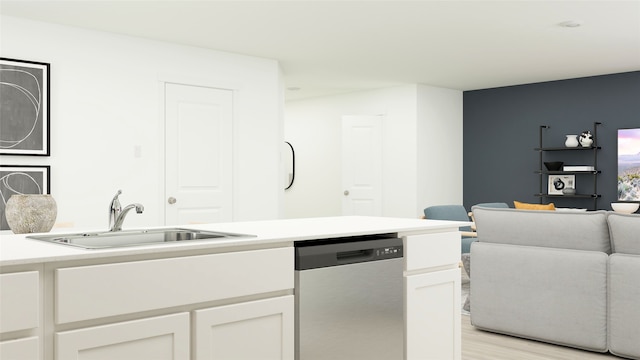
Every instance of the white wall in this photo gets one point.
(422, 130)
(106, 100)
(440, 146)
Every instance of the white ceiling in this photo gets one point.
(327, 47)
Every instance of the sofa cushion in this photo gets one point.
(624, 297)
(554, 295)
(568, 230)
(625, 233)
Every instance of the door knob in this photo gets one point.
(171, 200)
(346, 193)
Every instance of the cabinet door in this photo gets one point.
(22, 349)
(159, 338)
(433, 315)
(262, 329)
(19, 307)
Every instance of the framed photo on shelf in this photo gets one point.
(559, 182)
(22, 179)
(24, 107)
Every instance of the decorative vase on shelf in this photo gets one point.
(31, 213)
(571, 141)
(586, 139)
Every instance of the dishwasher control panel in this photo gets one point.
(389, 252)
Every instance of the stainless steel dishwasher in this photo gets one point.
(349, 298)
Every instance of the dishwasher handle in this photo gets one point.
(350, 256)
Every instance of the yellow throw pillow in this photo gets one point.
(527, 206)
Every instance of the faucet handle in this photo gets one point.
(117, 194)
(115, 203)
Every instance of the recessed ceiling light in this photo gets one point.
(570, 24)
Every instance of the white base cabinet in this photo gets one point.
(159, 338)
(432, 296)
(21, 349)
(262, 329)
(20, 315)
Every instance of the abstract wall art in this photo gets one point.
(24, 107)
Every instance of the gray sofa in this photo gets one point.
(568, 278)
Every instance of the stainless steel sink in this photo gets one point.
(114, 239)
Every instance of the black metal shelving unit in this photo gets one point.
(544, 174)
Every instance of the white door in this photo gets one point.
(362, 165)
(198, 145)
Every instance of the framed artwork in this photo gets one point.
(24, 107)
(559, 182)
(629, 164)
(22, 179)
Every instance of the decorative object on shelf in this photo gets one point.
(554, 165)
(625, 208)
(629, 164)
(586, 139)
(24, 99)
(33, 213)
(571, 141)
(578, 168)
(568, 191)
(21, 180)
(557, 183)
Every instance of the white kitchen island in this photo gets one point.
(223, 299)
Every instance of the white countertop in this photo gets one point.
(18, 250)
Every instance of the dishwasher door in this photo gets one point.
(352, 310)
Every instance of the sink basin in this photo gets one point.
(115, 239)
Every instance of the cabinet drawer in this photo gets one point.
(90, 292)
(431, 250)
(19, 308)
(22, 349)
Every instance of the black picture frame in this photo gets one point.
(22, 179)
(25, 107)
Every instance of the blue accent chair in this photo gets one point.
(454, 213)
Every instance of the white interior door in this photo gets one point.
(362, 165)
(199, 153)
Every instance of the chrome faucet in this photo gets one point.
(117, 213)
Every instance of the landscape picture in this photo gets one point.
(629, 164)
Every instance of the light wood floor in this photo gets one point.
(483, 345)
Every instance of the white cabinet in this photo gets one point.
(20, 349)
(20, 315)
(234, 305)
(433, 315)
(262, 329)
(159, 338)
(91, 292)
(19, 308)
(432, 296)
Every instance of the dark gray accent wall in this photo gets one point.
(501, 129)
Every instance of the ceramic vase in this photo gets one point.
(571, 141)
(586, 139)
(31, 213)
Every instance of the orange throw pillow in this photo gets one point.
(527, 206)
